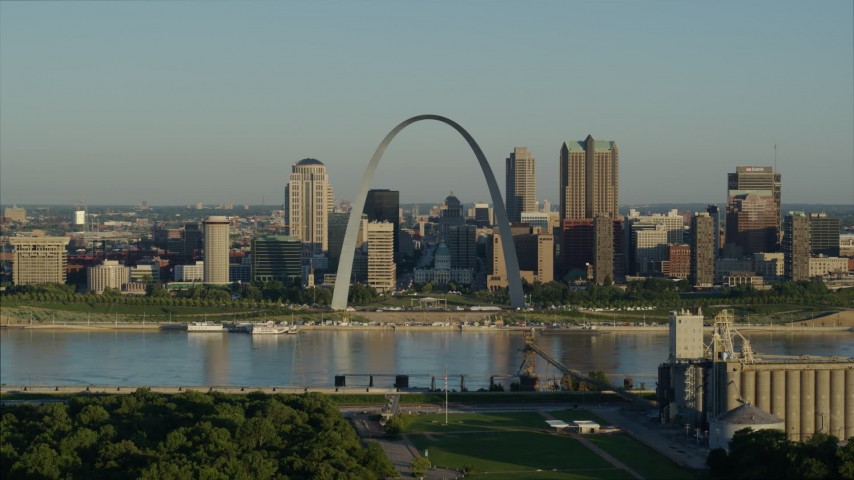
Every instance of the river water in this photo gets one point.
(315, 357)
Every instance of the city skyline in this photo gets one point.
(116, 103)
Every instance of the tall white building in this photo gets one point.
(382, 272)
(216, 249)
(110, 274)
(521, 186)
(308, 201)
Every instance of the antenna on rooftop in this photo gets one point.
(775, 157)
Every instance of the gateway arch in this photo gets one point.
(345, 264)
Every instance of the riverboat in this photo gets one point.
(269, 328)
(205, 327)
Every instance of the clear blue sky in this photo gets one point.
(181, 102)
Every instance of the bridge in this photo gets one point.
(527, 372)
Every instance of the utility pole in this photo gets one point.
(446, 394)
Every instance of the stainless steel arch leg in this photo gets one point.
(345, 264)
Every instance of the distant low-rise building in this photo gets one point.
(821, 266)
(109, 274)
(15, 214)
(190, 273)
(728, 266)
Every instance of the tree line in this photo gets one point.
(766, 454)
(663, 293)
(253, 295)
(186, 436)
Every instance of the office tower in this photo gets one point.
(678, 262)
(536, 255)
(647, 248)
(217, 244)
(578, 248)
(702, 254)
(146, 270)
(308, 201)
(337, 228)
(715, 212)
(753, 209)
(276, 257)
(521, 184)
(536, 259)
(109, 274)
(384, 206)
(451, 214)
(824, 235)
(241, 272)
(382, 274)
(649, 236)
(38, 259)
(672, 222)
(770, 266)
(589, 178)
(482, 215)
(190, 273)
(537, 219)
(751, 223)
(193, 241)
(796, 246)
(755, 179)
(462, 242)
(547, 206)
(603, 245)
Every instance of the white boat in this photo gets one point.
(205, 327)
(269, 328)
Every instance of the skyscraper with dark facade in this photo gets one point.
(751, 223)
(337, 229)
(276, 257)
(451, 214)
(589, 178)
(580, 249)
(824, 235)
(702, 255)
(753, 209)
(521, 184)
(715, 212)
(603, 249)
(796, 246)
(383, 205)
(462, 242)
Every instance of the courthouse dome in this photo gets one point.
(309, 161)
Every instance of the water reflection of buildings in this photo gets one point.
(214, 349)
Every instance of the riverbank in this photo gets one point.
(156, 326)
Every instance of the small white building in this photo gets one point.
(585, 427)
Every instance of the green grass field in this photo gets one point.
(642, 459)
(515, 455)
(518, 445)
(435, 422)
